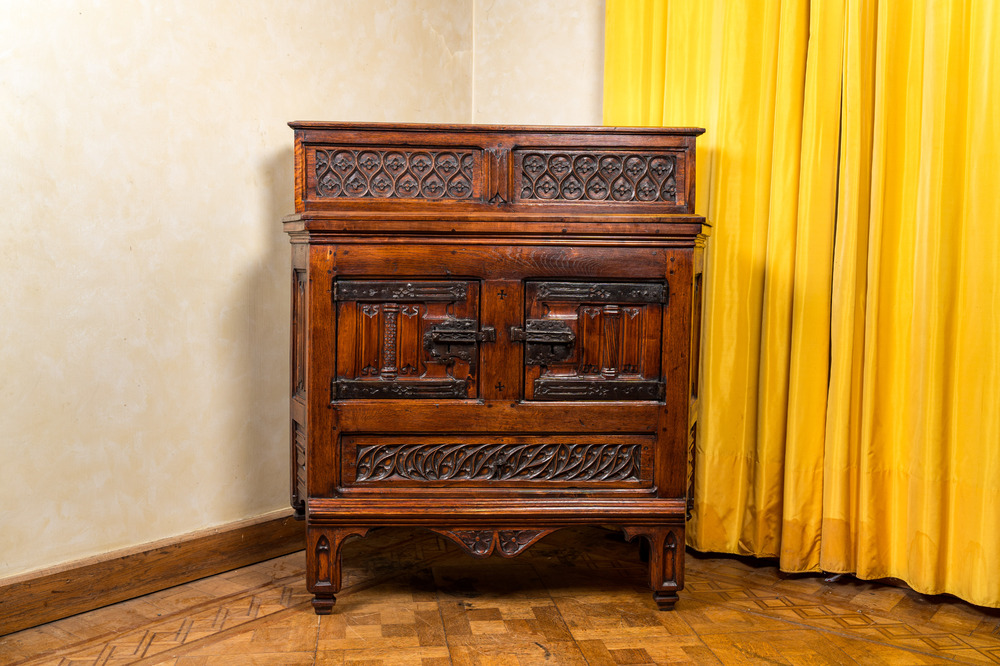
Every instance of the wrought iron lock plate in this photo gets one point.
(456, 338)
(546, 340)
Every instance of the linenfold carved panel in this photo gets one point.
(614, 351)
(393, 339)
(567, 175)
(360, 173)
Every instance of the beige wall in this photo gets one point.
(538, 62)
(144, 166)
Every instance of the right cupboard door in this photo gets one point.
(593, 340)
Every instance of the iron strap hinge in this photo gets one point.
(543, 331)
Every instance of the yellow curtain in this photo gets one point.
(851, 376)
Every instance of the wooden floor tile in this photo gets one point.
(576, 597)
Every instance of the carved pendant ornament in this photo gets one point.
(596, 176)
(500, 462)
(483, 543)
(394, 174)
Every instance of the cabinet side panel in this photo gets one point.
(321, 345)
(672, 448)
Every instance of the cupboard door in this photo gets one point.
(592, 340)
(407, 339)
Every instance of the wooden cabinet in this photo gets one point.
(494, 335)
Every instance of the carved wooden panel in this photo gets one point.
(575, 175)
(389, 343)
(400, 173)
(483, 543)
(497, 460)
(299, 492)
(298, 332)
(613, 352)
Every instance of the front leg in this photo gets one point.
(323, 577)
(666, 561)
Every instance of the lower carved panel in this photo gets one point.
(549, 462)
(483, 543)
(615, 460)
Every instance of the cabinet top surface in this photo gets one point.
(492, 129)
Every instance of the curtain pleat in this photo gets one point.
(851, 376)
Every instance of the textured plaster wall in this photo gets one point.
(538, 62)
(145, 163)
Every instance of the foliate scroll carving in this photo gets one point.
(596, 176)
(483, 543)
(500, 462)
(361, 173)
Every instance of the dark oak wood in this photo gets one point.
(77, 587)
(494, 334)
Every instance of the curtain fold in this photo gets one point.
(851, 372)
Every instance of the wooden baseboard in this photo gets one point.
(51, 594)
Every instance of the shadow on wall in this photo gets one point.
(264, 395)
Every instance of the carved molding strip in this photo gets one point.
(363, 173)
(482, 543)
(596, 176)
(500, 462)
(603, 292)
(382, 290)
(597, 389)
(420, 389)
(299, 333)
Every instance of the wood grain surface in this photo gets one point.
(48, 595)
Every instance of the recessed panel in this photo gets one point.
(497, 461)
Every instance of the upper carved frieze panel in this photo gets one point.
(361, 168)
(596, 176)
(360, 173)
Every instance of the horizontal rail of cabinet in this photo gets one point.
(402, 510)
(388, 416)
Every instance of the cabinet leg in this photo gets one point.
(323, 605)
(323, 578)
(666, 561)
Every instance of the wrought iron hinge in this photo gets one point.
(457, 338)
(543, 331)
(546, 340)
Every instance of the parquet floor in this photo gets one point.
(576, 597)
